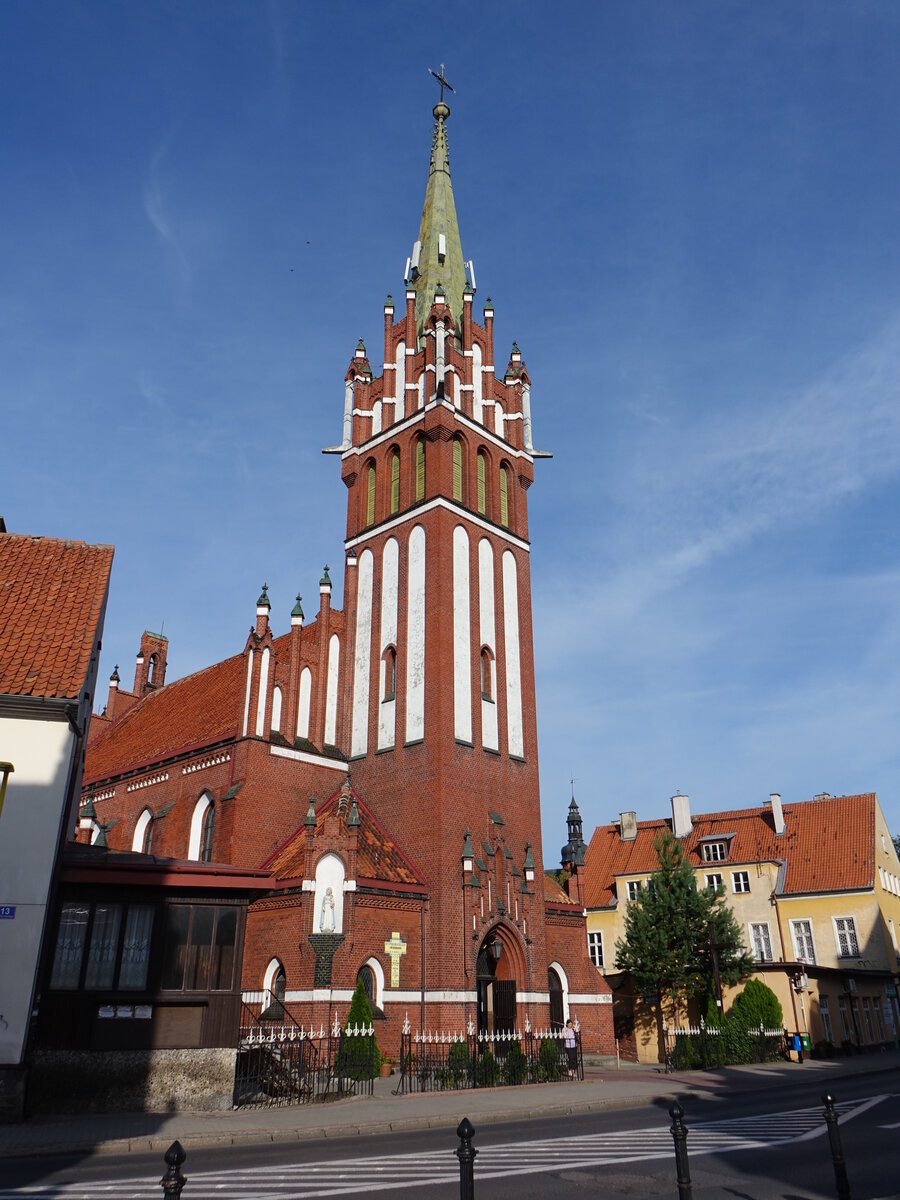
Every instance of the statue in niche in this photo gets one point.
(326, 916)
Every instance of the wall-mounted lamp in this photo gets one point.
(496, 949)
(6, 769)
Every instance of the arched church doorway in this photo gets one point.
(557, 1008)
(495, 974)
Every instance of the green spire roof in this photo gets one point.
(263, 601)
(439, 220)
(297, 610)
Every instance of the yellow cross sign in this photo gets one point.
(395, 949)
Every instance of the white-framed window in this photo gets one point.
(740, 881)
(845, 936)
(142, 841)
(634, 888)
(595, 948)
(713, 882)
(826, 1019)
(801, 934)
(893, 933)
(714, 851)
(761, 941)
(200, 840)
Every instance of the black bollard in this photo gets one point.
(682, 1167)
(837, 1150)
(173, 1180)
(466, 1155)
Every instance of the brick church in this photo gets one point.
(376, 768)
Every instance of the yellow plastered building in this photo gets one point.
(815, 887)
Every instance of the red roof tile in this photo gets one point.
(199, 710)
(52, 594)
(827, 846)
(554, 892)
(377, 855)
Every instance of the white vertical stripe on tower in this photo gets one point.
(263, 691)
(334, 663)
(415, 637)
(462, 638)
(276, 710)
(400, 382)
(515, 738)
(303, 704)
(376, 417)
(359, 741)
(247, 696)
(387, 706)
(476, 382)
(489, 737)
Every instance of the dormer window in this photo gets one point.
(715, 851)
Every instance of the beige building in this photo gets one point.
(815, 887)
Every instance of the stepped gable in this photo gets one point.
(378, 858)
(554, 893)
(828, 846)
(52, 594)
(199, 710)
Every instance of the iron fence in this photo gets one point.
(703, 1046)
(283, 1063)
(434, 1062)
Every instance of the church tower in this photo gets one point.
(439, 718)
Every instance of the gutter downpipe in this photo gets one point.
(782, 866)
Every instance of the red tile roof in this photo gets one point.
(52, 594)
(377, 857)
(828, 846)
(554, 892)
(199, 710)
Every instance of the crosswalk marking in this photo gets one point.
(306, 1181)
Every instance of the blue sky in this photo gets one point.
(686, 214)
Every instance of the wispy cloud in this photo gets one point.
(157, 207)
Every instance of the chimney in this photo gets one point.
(681, 815)
(777, 812)
(628, 826)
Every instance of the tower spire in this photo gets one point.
(437, 258)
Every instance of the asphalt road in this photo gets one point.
(758, 1146)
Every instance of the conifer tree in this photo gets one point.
(667, 946)
(361, 1053)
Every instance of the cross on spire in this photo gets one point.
(442, 80)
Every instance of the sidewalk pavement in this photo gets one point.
(602, 1088)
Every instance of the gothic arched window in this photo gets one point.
(370, 494)
(457, 470)
(482, 492)
(142, 841)
(390, 673)
(206, 834)
(504, 497)
(395, 482)
(420, 469)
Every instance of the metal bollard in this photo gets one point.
(682, 1167)
(466, 1155)
(837, 1150)
(173, 1180)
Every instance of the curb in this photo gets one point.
(148, 1144)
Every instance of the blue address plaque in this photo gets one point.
(7, 912)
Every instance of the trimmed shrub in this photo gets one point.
(515, 1068)
(361, 1056)
(459, 1064)
(757, 1005)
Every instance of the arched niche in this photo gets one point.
(328, 906)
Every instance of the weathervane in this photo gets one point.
(442, 81)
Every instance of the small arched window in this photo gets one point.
(206, 834)
(151, 671)
(390, 673)
(276, 710)
(370, 494)
(420, 469)
(504, 497)
(482, 469)
(395, 482)
(487, 675)
(457, 470)
(142, 841)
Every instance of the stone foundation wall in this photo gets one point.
(131, 1080)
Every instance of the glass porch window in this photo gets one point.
(101, 962)
(136, 947)
(70, 941)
